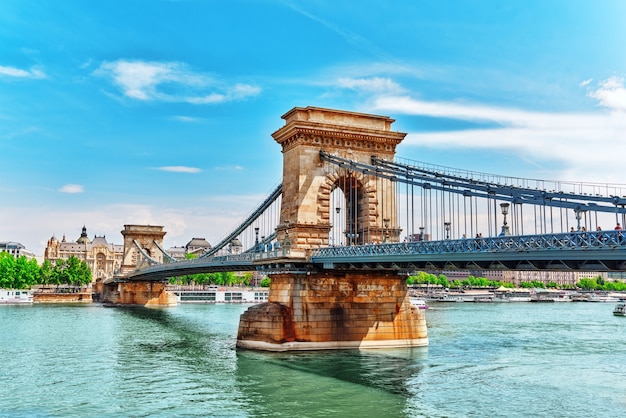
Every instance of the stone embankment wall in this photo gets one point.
(62, 297)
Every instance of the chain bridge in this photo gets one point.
(350, 219)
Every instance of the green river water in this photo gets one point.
(484, 360)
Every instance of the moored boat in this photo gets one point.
(14, 296)
(420, 303)
(620, 309)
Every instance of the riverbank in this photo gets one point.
(516, 295)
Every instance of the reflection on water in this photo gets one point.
(315, 383)
(346, 382)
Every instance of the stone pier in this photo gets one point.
(333, 311)
(148, 294)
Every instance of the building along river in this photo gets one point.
(487, 360)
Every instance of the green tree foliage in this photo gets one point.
(266, 282)
(7, 270)
(226, 278)
(599, 283)
(532, 284)
(22, 273)
(423, 278)
(588, 284)
(26, 273)
(246, 278)
(45, 273)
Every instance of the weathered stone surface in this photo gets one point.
(308, 182)
(306, 319)
(149, 294)
(145, 236)
(50, 297)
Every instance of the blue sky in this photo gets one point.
(161, 112)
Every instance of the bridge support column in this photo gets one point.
(336, 310)
(149, 294)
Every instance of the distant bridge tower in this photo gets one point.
(145, 236)
(311, 309)
(124, 292)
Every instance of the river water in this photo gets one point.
(484, 360)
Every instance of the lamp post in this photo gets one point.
(422, 237)
(447, 227)
(505, 211)
(286, 244)
(256, 241)
(579, 215)
(386, 231)
(337, 231)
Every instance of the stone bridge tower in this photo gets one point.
(118, 290)
(317, 309)
(308, 183)
(146, 236)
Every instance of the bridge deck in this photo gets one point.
(589, 251)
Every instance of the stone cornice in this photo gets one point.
(345, 137)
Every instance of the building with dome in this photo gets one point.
(103, 258)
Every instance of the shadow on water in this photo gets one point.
(193, 350)
(164, 331)
(323, 383)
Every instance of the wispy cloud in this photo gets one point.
(371, 85)
(72, 189)
(179, 169)
(19, 73)
(149, 81)
(582, 143)
(229, 168)
(186, 119)
(350, 37)
(611, 94)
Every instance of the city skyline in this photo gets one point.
(161, 112)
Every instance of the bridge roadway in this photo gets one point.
(585, 251)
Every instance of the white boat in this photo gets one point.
(420, 303)
(13, 296)
(620, 309)
(218, 294)
(603, 298)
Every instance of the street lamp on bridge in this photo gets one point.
(505, 211)
(447, 227)
(386, 232)
(579, 215)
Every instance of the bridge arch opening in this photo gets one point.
(358, 211)
(347, 207)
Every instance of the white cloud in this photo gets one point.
(179, 169)
(149, 81)
(585, 145)
(611, 94)
(72, 188)
(229, 168)
(19, 73)
(371, 85)
(186, 119)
